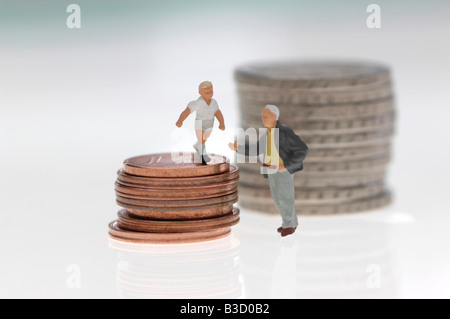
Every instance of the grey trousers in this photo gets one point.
(283, 194)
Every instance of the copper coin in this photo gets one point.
(119, 233)
(170, 196)
(127, 221)
(126, 179)
(177, 203)
(175, 191)
(180, 213)
(175, 187)
(174, 165)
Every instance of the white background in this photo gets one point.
(74, 103)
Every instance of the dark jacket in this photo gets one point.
(290, 146)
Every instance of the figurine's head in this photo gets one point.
(205, 89)
(270, 116)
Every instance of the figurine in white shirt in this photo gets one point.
(206, 109)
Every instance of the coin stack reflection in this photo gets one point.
(197, 270)
(345, 113)
(168, 198)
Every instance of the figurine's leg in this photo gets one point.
(197, 146)
(207, 126)
(274, 190)
(199, 135)
(200, 145)
(206, 135)
(286, 199)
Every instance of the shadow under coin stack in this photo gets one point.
(167, 198)
(345, 113)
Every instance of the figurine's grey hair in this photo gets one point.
(274, 109)
(204, 84)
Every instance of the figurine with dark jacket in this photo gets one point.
(283, 154)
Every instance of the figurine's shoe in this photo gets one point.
(205, 159)
(288, 231)
(280, 229)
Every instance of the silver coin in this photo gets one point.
(341, 151)
(266, 205)
(319, 195)
(312, 74)
(384, 152)
(337, 142)
(348, 140)
(348, 163)
(379, 92)
(356, 165)
(252, 179)
(321, 112)
(336, 154)
(362, 138)
(361, 124)
(352, 170)
(248, 87)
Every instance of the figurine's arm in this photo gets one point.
(219, 117)
(183, 116)
(248, 149)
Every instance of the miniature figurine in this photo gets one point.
(283, 152)
(206, 109)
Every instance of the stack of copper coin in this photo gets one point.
(344, 111)
(169, 198)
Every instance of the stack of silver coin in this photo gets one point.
(344, 111)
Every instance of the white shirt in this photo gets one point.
(204, 111)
